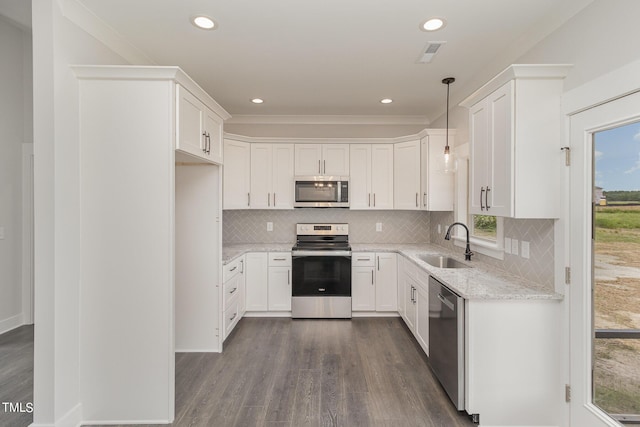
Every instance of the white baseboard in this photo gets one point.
(196, 350)
(11, 323)
(124, 422)
(267, 314)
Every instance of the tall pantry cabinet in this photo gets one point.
(150, 209)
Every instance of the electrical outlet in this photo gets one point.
(514, 246)
(524, 252)
(507, 245)
(378, 226)
(269, 226)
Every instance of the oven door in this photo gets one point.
(321, 273)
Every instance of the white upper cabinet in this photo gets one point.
(371, 176)
(436, 185)
(198, 129)
(271, 176)
(237, 174)
(406, 181)
(322, 159)
(516, 132)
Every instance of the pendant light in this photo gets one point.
(449, 163)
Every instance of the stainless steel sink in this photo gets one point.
(441, 261)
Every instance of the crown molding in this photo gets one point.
(290, 140)
(84, 18)
(327, 120)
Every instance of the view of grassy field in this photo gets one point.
(617, 306)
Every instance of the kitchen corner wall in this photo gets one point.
(538, 232)
(250, 226)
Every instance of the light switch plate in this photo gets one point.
(378, 226)
(514, 246)
(507, 245)
(524, 252)
(269, 226)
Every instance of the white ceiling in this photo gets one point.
(333, 57)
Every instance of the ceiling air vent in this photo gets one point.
(429, 52)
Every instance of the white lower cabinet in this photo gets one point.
(422, 315)
(413, 300)
(233, 289)
(256, 281)
(374, 281)
(268, 281)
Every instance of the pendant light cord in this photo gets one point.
(448, 82)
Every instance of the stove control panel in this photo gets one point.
(323, 229)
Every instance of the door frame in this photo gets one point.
(582, 126)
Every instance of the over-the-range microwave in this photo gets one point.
(321, 192)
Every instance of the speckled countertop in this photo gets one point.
(476, 283)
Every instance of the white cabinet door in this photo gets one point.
(241, 282)
(360, 176)
(308, 159)
(480, 152)
(282, 176)
(189, 129)
(500, 163)
(382, 176)
(213, 135)
(261, 167)
(386, 282)
(437, 186)
(422, 316)
(237, 174)
(401, 287)
(410, 303)
(279, 289)
(363, 289)
(406, 173)
(256, 285)
(335, 159)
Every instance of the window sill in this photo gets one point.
(480, 246)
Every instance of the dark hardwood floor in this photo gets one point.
(16, 375)
(283, 372)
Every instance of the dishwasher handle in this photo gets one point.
(446, 302)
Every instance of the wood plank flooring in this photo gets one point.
(16, 374)
(293, 373)
(284, 373)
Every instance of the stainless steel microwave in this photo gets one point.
(321, 192)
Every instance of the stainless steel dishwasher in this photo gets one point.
(446, 340)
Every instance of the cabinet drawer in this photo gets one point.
(363, 259)
(231, 317)
(279, 259)
(231, 289)
(231, 269)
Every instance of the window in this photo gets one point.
(486, 231)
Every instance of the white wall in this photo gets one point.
(57, 43)
(15, 130)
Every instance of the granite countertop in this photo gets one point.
(479, 282)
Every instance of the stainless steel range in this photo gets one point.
(321, 279)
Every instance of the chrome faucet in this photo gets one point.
(467, 251)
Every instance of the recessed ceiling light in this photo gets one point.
(203, 22)
(386, 101)
(432, 24)
(257, 101)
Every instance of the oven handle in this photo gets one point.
(320, 253)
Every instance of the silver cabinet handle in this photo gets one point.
(378, 263)
(325, 166)
(363, 259)
(274, 200)
(248, 199)
(319, 170)
(269, 199)
(369, 199)
(233, 317)
(424, 199)
(372, 277)
(486, 198)
(417, 200)
(279, 259)
(242, 266)
(233, 290)
(374, 200)
(288, 277)
(481, 194)
(204, 140)
(233, 269)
